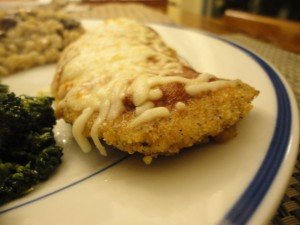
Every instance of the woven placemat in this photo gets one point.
(135, 11)
(286, 62)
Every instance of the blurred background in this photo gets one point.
(285, 9)
(274, 21)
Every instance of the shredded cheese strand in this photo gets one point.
(95, 128)
(149, 115)
(78, 128)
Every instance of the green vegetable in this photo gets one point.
(28, 152)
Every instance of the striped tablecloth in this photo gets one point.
(286, 62)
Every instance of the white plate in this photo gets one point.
(232, 183)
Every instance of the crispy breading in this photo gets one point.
(204, 117)
(117, 65)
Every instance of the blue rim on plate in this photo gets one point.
(245, 207)
(253, 195)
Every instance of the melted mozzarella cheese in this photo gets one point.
(195, 89)
(155, 94)
(140, 109)
(103, 110)
(78, 128)
(150, 115)
(120, 58)
(180, 105)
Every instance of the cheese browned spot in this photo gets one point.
(172, 93)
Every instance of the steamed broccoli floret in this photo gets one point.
(28, 152)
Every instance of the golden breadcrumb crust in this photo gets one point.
(205, 117)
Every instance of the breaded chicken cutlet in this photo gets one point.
(123, 84)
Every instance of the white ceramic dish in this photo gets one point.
(238, 182)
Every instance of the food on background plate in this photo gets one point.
(123, 84)
(28, 152)
(32, 38)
